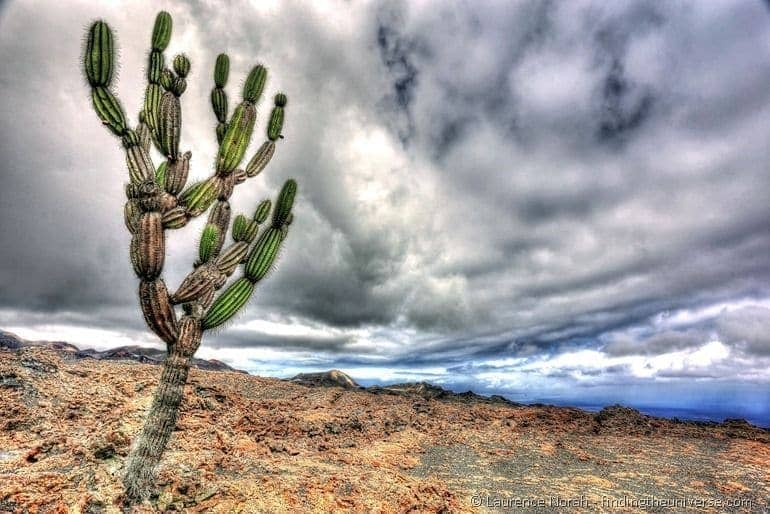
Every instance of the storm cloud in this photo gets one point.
(486, 188)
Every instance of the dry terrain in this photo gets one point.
(251, 444)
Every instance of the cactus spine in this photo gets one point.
(157, 200)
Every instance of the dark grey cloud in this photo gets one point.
(748, 328)
(244, 339)
(478, 182)
(661, 342)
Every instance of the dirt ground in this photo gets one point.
(251, 444)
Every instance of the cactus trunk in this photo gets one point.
(161, 420)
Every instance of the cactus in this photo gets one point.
(159, 199)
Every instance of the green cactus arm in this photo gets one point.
(240, 224)
(219, 96)
(264, 154)
(198, 197)
(239, 129)
(275, 125)
(208, 243)
(284, 203)
(99, 64)
(228, 303)
(263, 211)
(214, 263)
(181, 65)
(161, 35)
(255, 84)
(260, 261)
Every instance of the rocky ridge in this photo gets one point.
(141, 354)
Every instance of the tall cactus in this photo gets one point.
(157, 201)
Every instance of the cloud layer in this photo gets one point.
(486, 191)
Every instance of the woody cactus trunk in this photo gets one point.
(159, 199)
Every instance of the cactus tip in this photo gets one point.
(161, 32)
(255, 83)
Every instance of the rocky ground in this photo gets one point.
(251, 444)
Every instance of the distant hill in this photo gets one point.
(329, 378)
(142, 354)
(429, 391)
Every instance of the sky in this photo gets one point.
(547, 200)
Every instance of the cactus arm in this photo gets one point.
(142, 210)
(259, 262)
(198, 197)
(219, 96)
(262, 156)
(161, 35)
(99, 63)
(215, 265)
(238, 133)
(275, 125)
(161, 117)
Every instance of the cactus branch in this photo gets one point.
(218, 95)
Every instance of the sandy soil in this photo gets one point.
(251, 444)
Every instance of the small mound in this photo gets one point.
(331, 378)
(622, 419)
